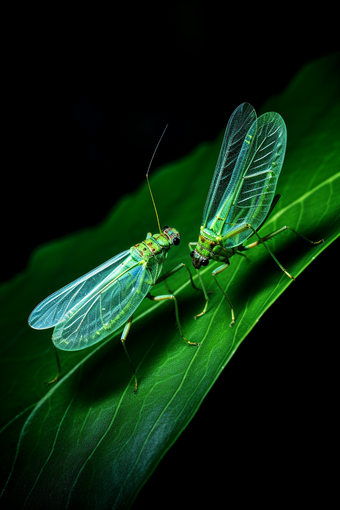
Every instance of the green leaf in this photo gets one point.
(88, 441)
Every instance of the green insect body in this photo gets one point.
(91, 308)
(95, 305)
(242, 192)
(209, 247)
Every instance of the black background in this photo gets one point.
(88, 93)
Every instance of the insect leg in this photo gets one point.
(261, 240)
(275, 233)
(204, 290)
(171, 296)
(270, 236)
(123, 339)
(192, 244)
(215, 273)
(239, 253)
(59, 368)
(173, 271)
(166, 283)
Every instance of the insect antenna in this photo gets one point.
(147, 178)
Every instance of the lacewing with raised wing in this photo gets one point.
(242, 192)
(95, 305)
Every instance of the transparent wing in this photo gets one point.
(53, 309)
(107, 308)
(235, 133)
(254, 179)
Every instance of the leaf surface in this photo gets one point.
(88, 441)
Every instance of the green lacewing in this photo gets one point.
(95, 305)
(242, 192)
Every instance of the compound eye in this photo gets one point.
(205, 262)
(192, 253)
(176, 241)
(164, 228)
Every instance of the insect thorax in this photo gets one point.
(209, 246)
(153, 246)
(153, 251)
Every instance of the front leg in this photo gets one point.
(204, 290)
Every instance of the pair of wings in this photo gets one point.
(246, 173)
(93, 306)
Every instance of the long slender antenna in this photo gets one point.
(147, 179)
